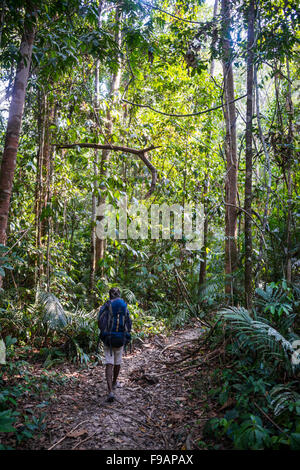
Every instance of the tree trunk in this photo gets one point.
(95, 170)
(49, 194)
(115, 84)
(248, 179)
(268, 172)
(215, 38)
(38, 183)
(202, 271)
(43, 185)
(93, 224)
(8, 163)
(290, 112)
(231, 154)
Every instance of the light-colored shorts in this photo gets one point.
(113, 355)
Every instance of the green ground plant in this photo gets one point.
(261, 386)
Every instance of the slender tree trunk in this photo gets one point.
(8, 163)
(202, 271)
(290, 111)
(248, 180)
(215, 38)
(65, 233)
(52, 118)
(38, 183)
(93, 222)
(95, 171)
(46, 164)
(268, 172)
(231, 154)
(43, 186)
(115, 84)
(2, 16)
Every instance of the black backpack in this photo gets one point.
(114, 331)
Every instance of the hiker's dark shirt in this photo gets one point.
(103, 318)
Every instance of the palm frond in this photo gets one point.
(211, 291)
(209, 288)
(285, 324)
(53, 312)
(296, 290)
(273, 299)
(257, 334)
(267, 295)
(128, 295)
(281, 398)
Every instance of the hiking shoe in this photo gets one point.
(116, 385)
(110, 397)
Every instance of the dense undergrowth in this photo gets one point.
(19, 382)
(48, 335)
(258, 386)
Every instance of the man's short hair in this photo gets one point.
(114, 292)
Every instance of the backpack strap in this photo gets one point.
(110, 320)
(110, 323)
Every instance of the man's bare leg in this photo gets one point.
(116, 373)
(109, 380)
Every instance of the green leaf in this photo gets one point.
(295, 441)
(6, 421)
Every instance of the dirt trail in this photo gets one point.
(156, 407)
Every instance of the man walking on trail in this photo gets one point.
(115, 325)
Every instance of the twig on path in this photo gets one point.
(210, 332)
(183, 359)
(180, 370)
(143, 423)
(127, 415)
(126, 434)
(193, 353)
(84, 440)
(190, 423)
(138, 387)
(204, 360)
(196, 350)
(177, 344)
(188, 442)
(66, 435)
(157, 426)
